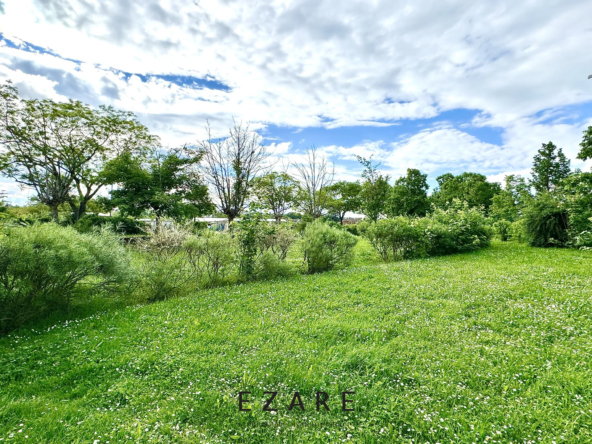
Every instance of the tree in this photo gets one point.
(315, 177)
(165, 183)
(375, 190)
(409, 195)
(230, 165)
(276, 192)
(586, 145)
(550, 166)
(59, 149)
(509, 203)
(343, 197)
(472, 188)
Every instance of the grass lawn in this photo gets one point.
(491, 346)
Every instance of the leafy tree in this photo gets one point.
(343, 197)
(60, 149)
(550, 166)
(509, 203)
(164, 183)
(586, 145)
(409, 195)
(375, 190)
(230, 165)
(276, 192)
(472, 188)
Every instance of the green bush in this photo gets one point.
(325, 247)
(517, 231)
(44, 267)
(397, 238)
(546, 222)
(502, 229)
(456, 229)
(164, 263)
(577, 189)
(119, 224)
(353, 229)
(211, 255)
(259, 240)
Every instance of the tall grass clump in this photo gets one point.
(44, 267)
(325, 247)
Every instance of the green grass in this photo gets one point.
(491, 346)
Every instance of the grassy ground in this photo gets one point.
(492, 346)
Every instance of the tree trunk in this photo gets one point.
(54, 214)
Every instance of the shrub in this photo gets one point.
(577, 189)
(396, 239)
(119, 224)
(517, 231)
(164, 263)
(456, 229)
(44, 267)
(502, 229)
(353, 229)
(325, 247)
(211, 255)
(278, 240)
(257, 241)
(546, 222)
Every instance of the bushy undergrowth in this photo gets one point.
(44, 267)
(119, 224)
(546, 222)
(325, 247)
(445, 231)
(262, 247)
(211, 255)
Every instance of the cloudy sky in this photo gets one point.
(439, 85)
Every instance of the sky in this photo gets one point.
(438, 85)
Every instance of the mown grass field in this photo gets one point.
(491, 346)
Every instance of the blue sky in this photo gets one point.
(447, 86)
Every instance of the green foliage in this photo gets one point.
(576, 191)
(456, 229)
(343, 197)
(517, 231)
(409, 195)
(472, 188)
(164, 183)
(586, 145)
(325, 247)
(397, 238)
(60, 148)
(262, 247)
(375, 190)
(502, 229)
(211, 255)
(276, 192)
(509, 203)
(546, 222)
(164, 265)
(550, 167)
(118, 224)
(44, 267)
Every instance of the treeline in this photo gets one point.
(59, 250)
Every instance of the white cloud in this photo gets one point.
(307, 63)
